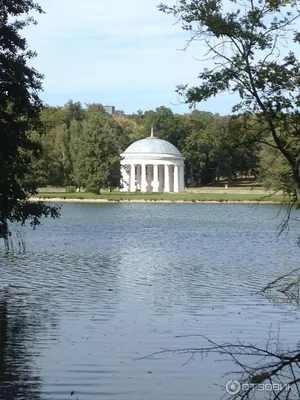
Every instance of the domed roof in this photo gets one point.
(153, 145)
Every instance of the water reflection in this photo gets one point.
(19, 324)
(65, 283)
(108, 283)
(46, 297)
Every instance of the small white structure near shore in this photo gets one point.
(152, 165)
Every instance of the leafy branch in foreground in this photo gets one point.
(20, 108)
(249, 52)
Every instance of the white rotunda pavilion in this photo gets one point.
(152, 165)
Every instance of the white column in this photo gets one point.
(181, 178)
(132, 178)
(124, 179)
(143, 179)
(176, 179)
(155, 178)
(167, 180)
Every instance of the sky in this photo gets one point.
(115, 52)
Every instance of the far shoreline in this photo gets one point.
(202, 196)
(148, 201)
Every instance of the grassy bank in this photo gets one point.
(182, 197)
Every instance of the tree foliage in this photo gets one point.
(245, 44)
(96, 154)
(208, 142)
(19, 114)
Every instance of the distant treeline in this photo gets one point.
(80, 146)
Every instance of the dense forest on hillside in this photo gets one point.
(81, 146)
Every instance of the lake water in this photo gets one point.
(106, 285)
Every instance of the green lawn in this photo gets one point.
(115, 196)
(233, 186)
(241, 187)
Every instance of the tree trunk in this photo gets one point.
(298, 193)
(297, 190)
(296, 178)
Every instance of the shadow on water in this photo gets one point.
(65, 282)
(19, 324)
(44, 296)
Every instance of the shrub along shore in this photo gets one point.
(118, 197)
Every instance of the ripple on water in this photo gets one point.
(106, 285)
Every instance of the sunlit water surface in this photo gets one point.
(106, 285)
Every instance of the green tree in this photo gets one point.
(55, 142)
(244, 146)
(75, 111)
(94, 107)
(274, 170)
(128, 131)
(19, 114)
(196, 148)
(138, 117)
(95, 153)
(54, 167)
(244, 41)
(38, 169)
(166, 125)
(78, 131)
(210, 149)
(51, 117)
